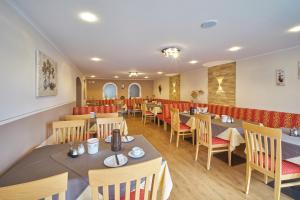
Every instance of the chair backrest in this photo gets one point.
(86, 118)
(107, 115)
(148, 170)
(175, 120)
(203, 129)
(144, 108)
(263, 146)
(39, 189)
(106, 125)
(69, 131)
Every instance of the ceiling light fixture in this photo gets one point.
(235, 48)
(160, 72)
(193, 62)
(209, 24)
(171, 52)
(92, 76)
(133, 74)
(116, 76)
(146, 77)
(88, 17)
(95, 59)
(294, 29)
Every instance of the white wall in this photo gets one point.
(18, 43)
(193, 80)
(256, 87)
(164, 82)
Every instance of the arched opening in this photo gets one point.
(110, 91)
(134, 90)
(78, 92)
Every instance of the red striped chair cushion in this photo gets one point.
(184, 127)
(216, 140)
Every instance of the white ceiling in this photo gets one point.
(131, 33)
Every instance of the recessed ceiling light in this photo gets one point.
(172, 74)
(294, 29)
(160, 72)
(146, 77)
(193, 62)
(235, 48)
(95, 59)
(209, 24)
(116, 76)
(92, 76)
(88, 17)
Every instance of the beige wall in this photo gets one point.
(95, 86)
(191, 81)
(21, 136)
(256, 86)
(164, 83)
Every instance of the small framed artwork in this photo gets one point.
(122, 86)
(46, 75)
(280, 77)
(299, 69)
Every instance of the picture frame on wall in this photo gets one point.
(46, 75)
(280, 77)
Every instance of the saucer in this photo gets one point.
(130, 154)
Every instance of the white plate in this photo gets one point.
(124, 140)
(128, 139)
(130, 154)
(111, 161)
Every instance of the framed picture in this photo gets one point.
(280, 77)
(46, 75)
(299, 69)
(122, 86)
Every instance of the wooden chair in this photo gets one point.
(204, 137)
(146, 114)
(128, 174)
(180, 128)
(86, 118)
(39, 189)
(136, 109)
(69, 131)
(264, 154)
(106, 125)
(107, 115)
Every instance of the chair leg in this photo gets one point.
(266, 179)
(197, 151)
(177, 140)
(165, 126)
(158, 122)
(277, 188)
(229, 156)
(145, 119)
(193, 138)
(209, 154)
(248, 178)
(171, 135)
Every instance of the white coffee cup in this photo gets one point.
(93, 145)
(136, 151)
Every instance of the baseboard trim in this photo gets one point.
(21, 116)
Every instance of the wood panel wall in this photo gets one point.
(227, 96)
(174, 90)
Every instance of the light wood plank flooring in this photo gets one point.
(191, 179)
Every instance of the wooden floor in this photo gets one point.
(190, 178)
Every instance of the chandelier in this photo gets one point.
(133, 74)
(171, 52)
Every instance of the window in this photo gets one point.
(134, 90)
(110, 91)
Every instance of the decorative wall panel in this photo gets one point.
(174, 90)
(222, 84)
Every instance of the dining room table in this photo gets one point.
(50, 160)
(154, 108)
(234, 133)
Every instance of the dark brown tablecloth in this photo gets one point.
(290, 145)
(52, 160)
